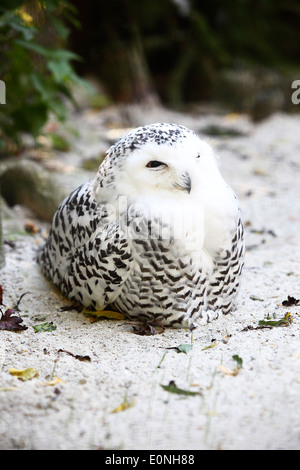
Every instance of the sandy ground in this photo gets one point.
(77, 404)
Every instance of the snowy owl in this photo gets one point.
(156, 235)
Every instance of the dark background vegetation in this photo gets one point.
(241, 53)
(182, 46)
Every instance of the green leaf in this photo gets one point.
(35, 48)
(43, 86)
(172, 388)
(61, 70)
(184, 348)
(48, 326)
(52, 54)
(238, 360)
(284, 321)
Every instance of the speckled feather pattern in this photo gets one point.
(102, 253)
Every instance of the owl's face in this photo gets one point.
(162, 160)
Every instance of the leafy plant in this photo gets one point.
(37, 70)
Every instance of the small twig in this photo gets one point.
(16, 307)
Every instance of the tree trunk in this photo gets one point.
(141, 89)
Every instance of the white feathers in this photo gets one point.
(158, 233)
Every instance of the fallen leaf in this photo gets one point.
(148, 328)
(124, 406)
(31, 227)
(252, 297)
(77, 356)
(110, 314)
(238, 360)
(226, 370)
(225, 339)
(53, 382)
(284, 321)
(213, 345)
(184, 348)
(24, 374)
(172, 388)
(290, 301)
(48, 326)
(287, 320)
(11, 322)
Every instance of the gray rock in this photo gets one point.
(27, 183)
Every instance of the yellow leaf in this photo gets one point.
(24, 374)
(26, 17)
(105, 314)
(124, 406)
(213, 345)
(52, 382)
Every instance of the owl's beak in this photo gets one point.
(185, 183)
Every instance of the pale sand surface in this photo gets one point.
(258, 408)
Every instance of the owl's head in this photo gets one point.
(162, 159)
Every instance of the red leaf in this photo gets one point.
(11, 322)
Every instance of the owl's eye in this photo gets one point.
(155, 164)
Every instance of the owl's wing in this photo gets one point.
(228, 267)
(86, 254)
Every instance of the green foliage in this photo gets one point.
(35, 68)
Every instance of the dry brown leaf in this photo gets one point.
(154, 327)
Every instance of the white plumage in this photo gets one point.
(156, 235)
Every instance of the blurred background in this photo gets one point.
(185, 51)
(242, 54)
(75, 76)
